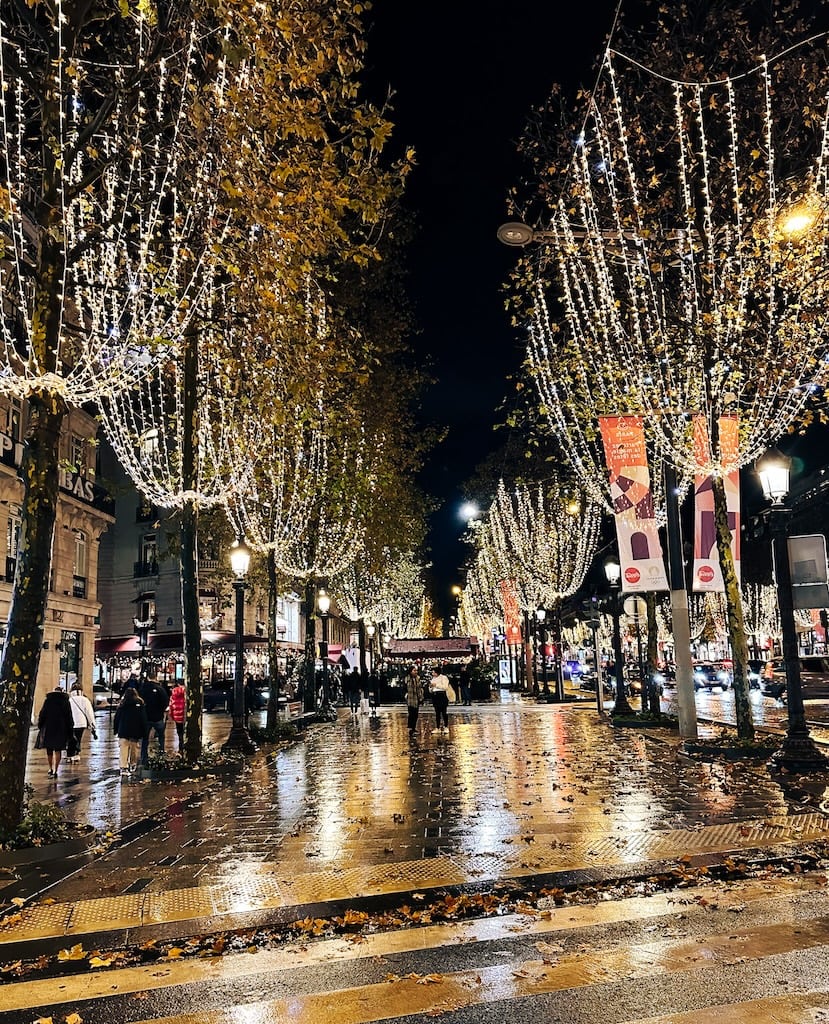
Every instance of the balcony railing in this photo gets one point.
(79, 586)
(209, 564)
(145, 569)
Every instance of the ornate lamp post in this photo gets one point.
(142, 632)
(798, 752)
(371, 630)
(613, 572)
(540, 616)
(326, 712)
(239, 739)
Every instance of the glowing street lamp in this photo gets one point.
(797, 752)
(613, 574)
(324, 606)
(239, 738)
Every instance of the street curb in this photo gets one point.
(281, 916)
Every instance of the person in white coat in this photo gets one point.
(83, 718)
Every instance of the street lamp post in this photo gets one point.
(326, 712)
(540, 616)
(613, 572)
(371, 631)
(142, 632)
(239, 738)
(797, 752)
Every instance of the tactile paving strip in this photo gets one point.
(318, 887)
(264, 890)
(255, 893)
(107, 912)
(37, 922)
(178, 905)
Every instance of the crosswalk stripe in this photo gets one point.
(795, 1009)
(570, 970)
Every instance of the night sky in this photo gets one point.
(466, 74)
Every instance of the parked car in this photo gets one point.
(708, 674)
(814, 679)
(103, 696)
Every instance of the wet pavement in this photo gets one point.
(356, 810)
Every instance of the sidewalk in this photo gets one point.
(357, 811)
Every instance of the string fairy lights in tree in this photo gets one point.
(544, 540)
(399, 597)
(99, 170)
(690, 251)
(84, 283)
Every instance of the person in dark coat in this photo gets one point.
(130, 726)
(55, 719)
(156, 701)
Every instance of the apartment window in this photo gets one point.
(147, 564)
(145, 607)
(149, 442)
(13, 524)
(14, 419)
(80, 554)
(77, 453)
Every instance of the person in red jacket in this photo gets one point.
(178, 702)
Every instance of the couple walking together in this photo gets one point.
(440, 690)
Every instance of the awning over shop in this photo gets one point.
(455, 648)
(174, 641)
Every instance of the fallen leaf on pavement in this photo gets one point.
(97, 961)
(75, 953)
(74, 1018)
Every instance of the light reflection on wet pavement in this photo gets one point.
(509, 784)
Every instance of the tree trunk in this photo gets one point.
(273, 646)
(24, 635)
(310, 680)
(189, 555)
(361, 643)
(652, 655)
(734, 612)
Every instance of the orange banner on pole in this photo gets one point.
(640, 549)
(512, 613)
(707, 572)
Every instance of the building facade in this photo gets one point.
(84, 515)
(140, 590)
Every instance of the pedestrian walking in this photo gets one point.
(414, 697)
(373, 693)
(465, 685)
(55, 725)
(156, 701)
(178, 706)
(441, 691)
(351, 685)
(365, 694)
(83, 718)
(131, 728)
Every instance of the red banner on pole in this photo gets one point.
(707, 572)
(512, 613)
(640, 549)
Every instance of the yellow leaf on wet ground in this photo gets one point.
(75, 953)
